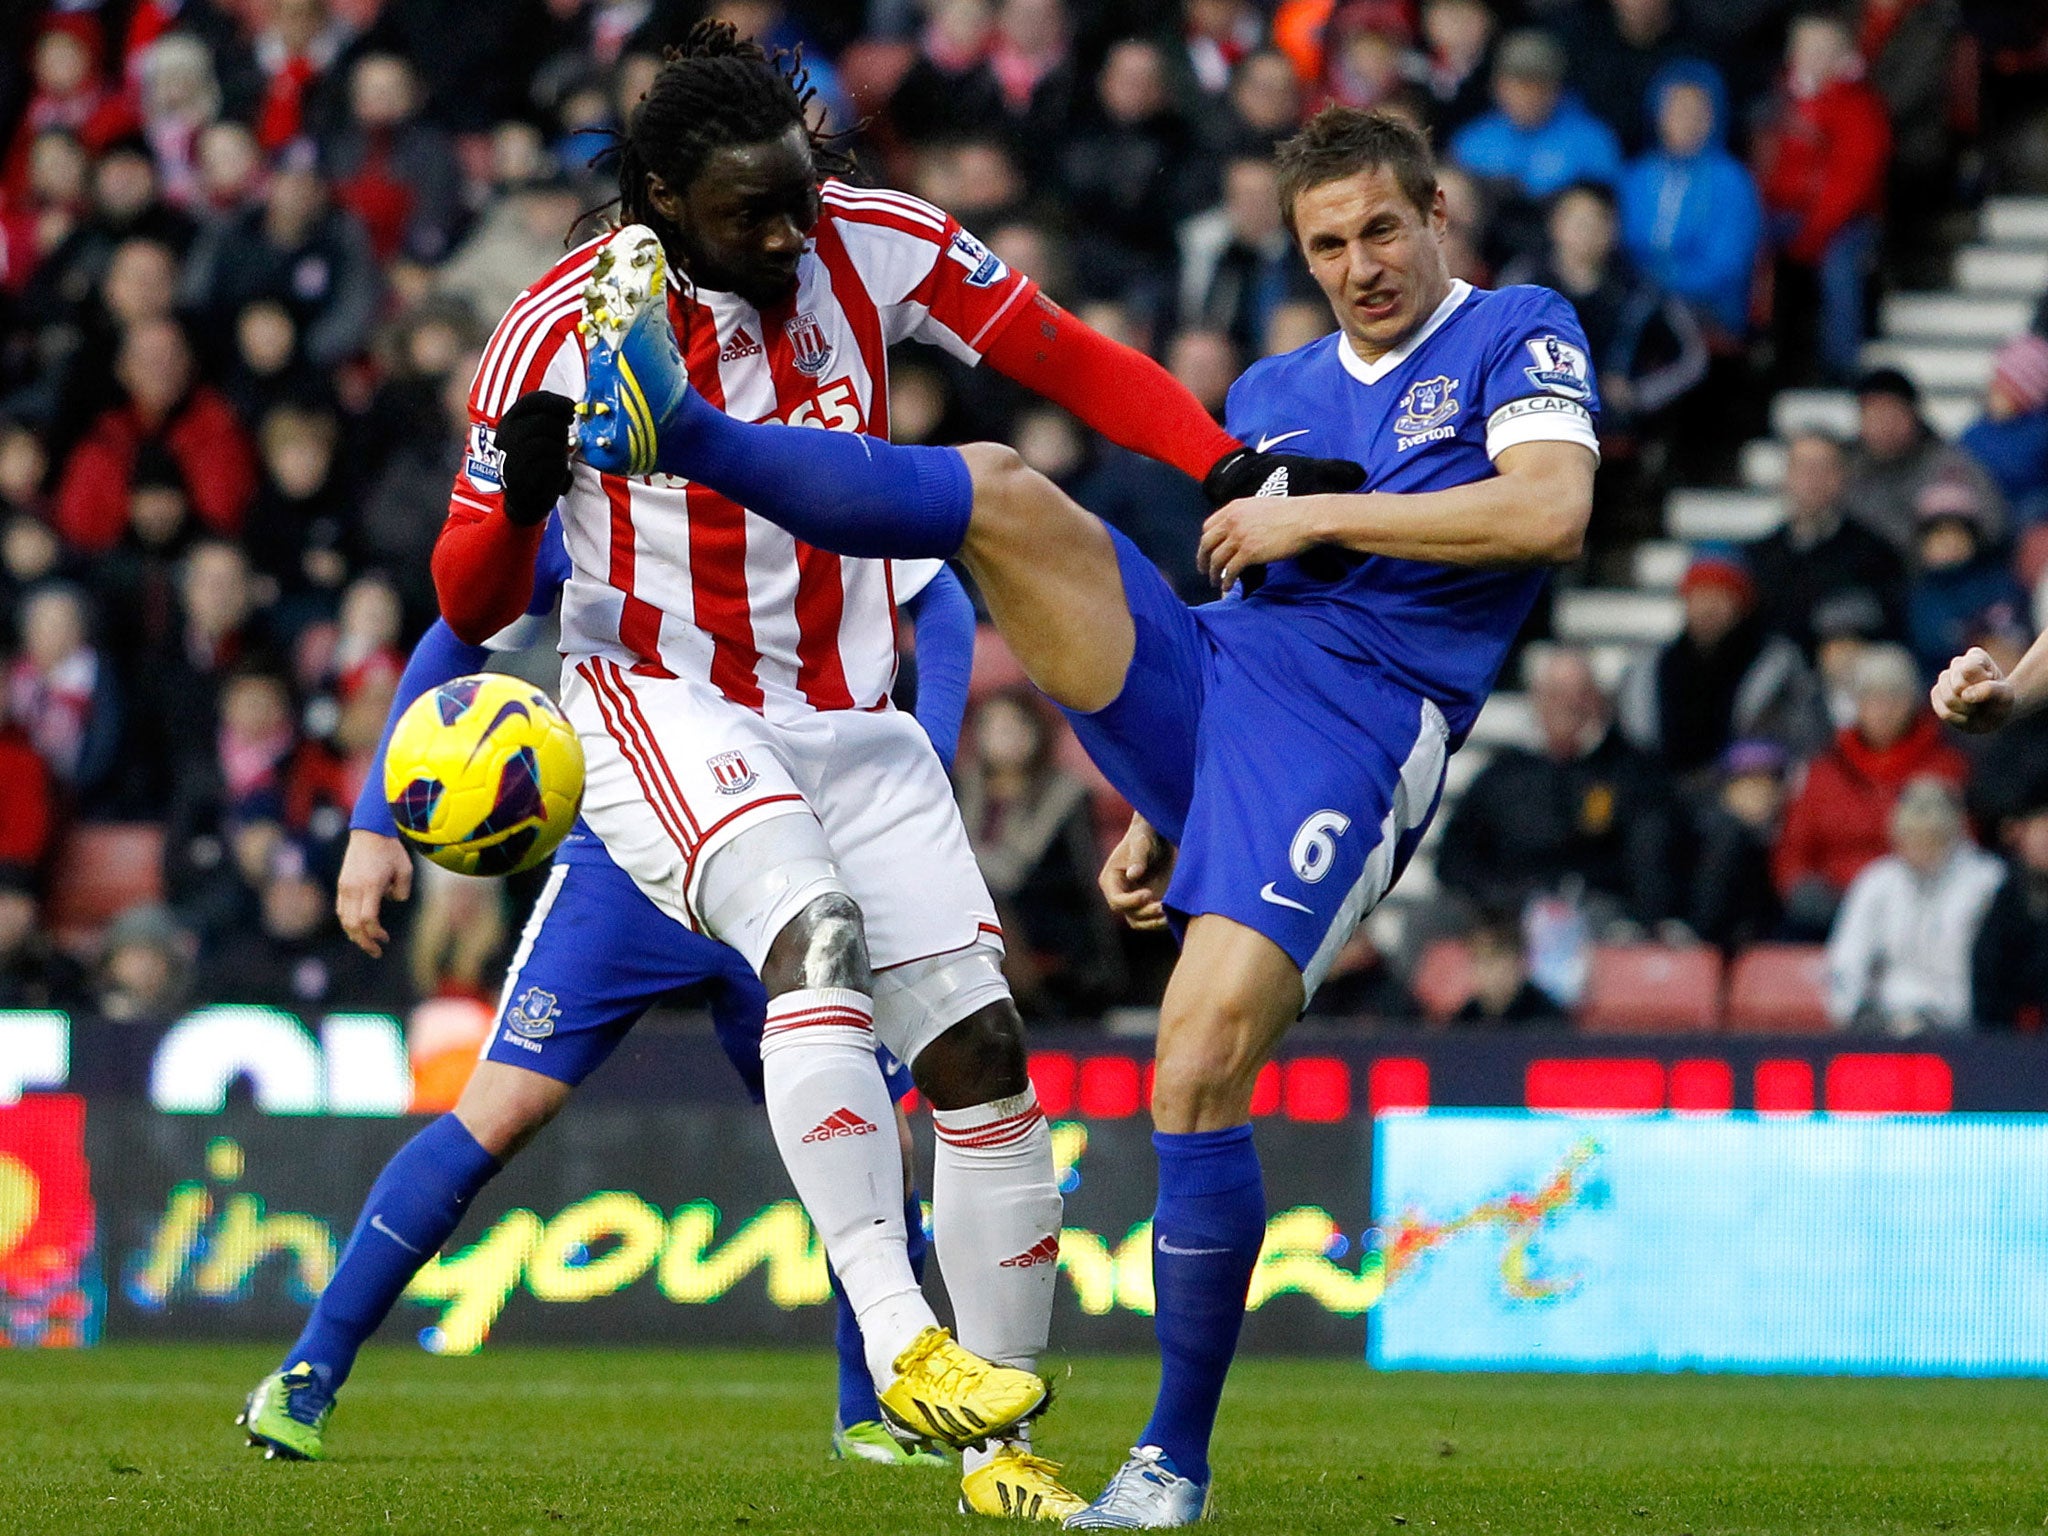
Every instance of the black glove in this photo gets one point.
(1247, 472)
(533, 441)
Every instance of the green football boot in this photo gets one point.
(287, 1414)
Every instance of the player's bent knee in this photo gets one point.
(1203, 1074)
(977, 1060)
(504, 1107)
(824, 945)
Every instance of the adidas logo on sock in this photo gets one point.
(1045, 1251)
(741, 345)
(841, 1122)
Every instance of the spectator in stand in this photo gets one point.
(459, 934)
(1691, 218)
(1537, 138)
(1961, 583)
(1837, 821)
(180, 95)
(1586, 807)
(2011, 438)
(1725, 677)
(1823, 152)
(1454, 68)
(1647, 349)
(65, 698)
(295, 46)
(1215, 37)
(1033, 832)
(297, 249)
(1466, 233)
(1362, 987)
(1237, 261)
(29, 556)
(165, 404)
(70, 94)
(27, 813)
(219, 631)
(392, 168)
(145, 967)
(2009, 962)
(981, 66)
(1264, 107)
(1733, 902)
(1207, 364)
(1909, 50)
(231, 172)
(33, 973)
(1127, 179)
(136, 582)
(1899, 958)
(1617, 48)
(1897, 456)
(518, 235)
(414, 471)
(227, 802)
(267, 370)
(1366, 59)
(295, 956)
(1819, 550)
(299, 538)
(1502, 993)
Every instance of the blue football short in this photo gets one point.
(1295, 783)
(597, 954)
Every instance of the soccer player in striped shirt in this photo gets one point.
(730, 683)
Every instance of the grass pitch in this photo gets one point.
(138, 1439)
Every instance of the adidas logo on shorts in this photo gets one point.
(841, 1122)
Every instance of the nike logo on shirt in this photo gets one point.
(1268, 444)
(1267, 893)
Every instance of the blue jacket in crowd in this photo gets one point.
(1573, 146)
(1694, 222)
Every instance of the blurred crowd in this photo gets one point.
(249, 250)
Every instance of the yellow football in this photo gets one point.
(484, 775)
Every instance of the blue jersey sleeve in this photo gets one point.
(440, 657)
(943, 617)
(1537, 381)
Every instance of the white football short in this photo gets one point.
(675, 771)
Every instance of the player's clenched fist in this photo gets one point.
(1133, 880)
(1254, 532)
(374, 867)
(1972, 694)
(533, 435)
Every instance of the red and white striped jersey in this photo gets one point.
(670, 578)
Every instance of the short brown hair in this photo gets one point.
(1342, 141)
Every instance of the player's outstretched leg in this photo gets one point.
(1231, 998)
(412, 1209)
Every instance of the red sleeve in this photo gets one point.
(483, 571)
(1118, 391)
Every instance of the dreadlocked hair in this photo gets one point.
(717, 90)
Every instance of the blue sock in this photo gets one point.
(1206, 1233)
(842, 491)
(412, 1209)
(857, 1403)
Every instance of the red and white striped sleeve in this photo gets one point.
(931, 280)
(483, 565)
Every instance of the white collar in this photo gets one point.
(1372, 373)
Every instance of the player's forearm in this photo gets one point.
(483, 573)
(1537, 518)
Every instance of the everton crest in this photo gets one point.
(810, 349)
(1428, 404)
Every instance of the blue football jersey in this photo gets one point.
(1487, 371)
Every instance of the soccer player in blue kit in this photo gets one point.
(1285, 747)
(596, 954)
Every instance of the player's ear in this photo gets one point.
(666, 203)
(1439, 214)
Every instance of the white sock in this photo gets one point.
(836, 1131)
(996, 1225)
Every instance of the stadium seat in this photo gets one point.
(1780, 989)
(101, 870)
(1651, 989)
(1443, 978)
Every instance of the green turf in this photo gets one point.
(566, 1441)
